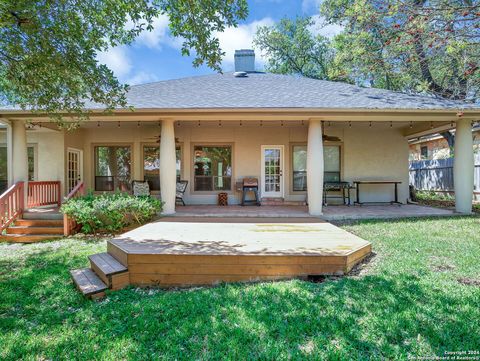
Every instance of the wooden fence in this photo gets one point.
(437, 174)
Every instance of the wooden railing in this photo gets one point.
(44, 193)
(69, 224)
(77, 191)
(12, 204)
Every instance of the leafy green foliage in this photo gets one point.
(292, 48)
(48, 49)
(111, 212)
(412, 299)
(442, 200)
(414, 45)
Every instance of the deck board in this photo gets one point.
(194, 253)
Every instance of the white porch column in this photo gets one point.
(463, 166)
(19, 152)
(168, 178)
(315, 167)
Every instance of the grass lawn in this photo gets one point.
(420, 295)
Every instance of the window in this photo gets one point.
(112, 168)
(4, 166)
(212, 168)
(151, 165)
(331, 160)
(424, 152)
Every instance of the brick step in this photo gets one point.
(109, 270)
(39, 222)
(272, 199)
(88, 283)
(28, 238)
(34, 230)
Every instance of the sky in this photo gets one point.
(156, 55)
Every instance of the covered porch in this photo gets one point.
(291, 153)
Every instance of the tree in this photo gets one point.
(292, 48)
(48, 49)
(427, 46)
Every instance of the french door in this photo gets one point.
(74, 167)
(272, 171)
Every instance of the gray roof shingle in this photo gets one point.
(264, 90)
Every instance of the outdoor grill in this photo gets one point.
(250, 185)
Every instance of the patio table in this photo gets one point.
(395, 185)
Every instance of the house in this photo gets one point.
(435, 146)
(290, 132)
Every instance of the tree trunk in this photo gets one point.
(450, 138)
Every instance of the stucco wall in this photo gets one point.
(376, 155)
(49, 154)
(380, 153)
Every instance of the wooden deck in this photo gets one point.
(179, 252)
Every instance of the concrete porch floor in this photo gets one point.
(330, 213)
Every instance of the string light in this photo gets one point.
(261, 123)
(138, 123)
(303, 123)
(281, 123)
(370, 124)
(199, 123)
(391, 124)
(349, 123)
(119, 123)
(98, 123)
(411, 124)
(159, 123)
(219, 123)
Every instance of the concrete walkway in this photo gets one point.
(330, 213)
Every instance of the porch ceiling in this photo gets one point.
(410, 128)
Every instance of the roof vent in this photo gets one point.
(245, 60)
(240, 74)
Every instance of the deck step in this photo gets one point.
(34, 230)
(39, 222)
(28, 238)
(88, 283)
(109, 270)
(36, 215)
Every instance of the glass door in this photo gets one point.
(74, 170)
(272, 171)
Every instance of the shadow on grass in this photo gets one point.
(377, 316)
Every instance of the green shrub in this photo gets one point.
(111, 212)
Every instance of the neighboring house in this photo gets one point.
(217, 129)
(436, 146)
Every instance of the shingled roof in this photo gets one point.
(264, 90)
(273, 91)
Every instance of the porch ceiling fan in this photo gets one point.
(329, 138)
(157, 139)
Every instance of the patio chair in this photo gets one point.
(181, 188)
(140, 188)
